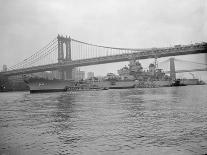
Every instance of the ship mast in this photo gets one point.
(156, 62)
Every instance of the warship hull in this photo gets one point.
(124, 84)
(44, 85)
(153, 84)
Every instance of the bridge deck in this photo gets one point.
(145, 54)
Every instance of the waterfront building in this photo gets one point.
(16, 78)
(90, 75)
(100, 78)
(56, 74)
(4, 68)
(15, 83)
(77, 74)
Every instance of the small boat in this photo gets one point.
(177, 83)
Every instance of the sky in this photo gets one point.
(28, 25)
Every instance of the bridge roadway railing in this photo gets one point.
(145, 54)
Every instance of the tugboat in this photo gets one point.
(177, 82)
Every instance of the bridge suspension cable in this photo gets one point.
(37, 55)
(84, 50)
(43, 56)
(34, 56)
(116, 48)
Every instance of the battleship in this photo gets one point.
(131, 76)
(134, 76)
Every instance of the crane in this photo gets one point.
(192, 75)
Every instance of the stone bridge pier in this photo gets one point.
(64, 54)
(172, 68)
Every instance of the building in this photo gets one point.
(100, 78)
(77, 74)
(16, 78)
(4, 68)
(90, 75)
(56, 74)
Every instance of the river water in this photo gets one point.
(130, 121)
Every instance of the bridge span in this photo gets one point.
(68, 63)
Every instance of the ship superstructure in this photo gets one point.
(135, 71)
(135, 76)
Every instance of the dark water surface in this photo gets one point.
(131, 121)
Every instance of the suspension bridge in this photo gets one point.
(65, 53)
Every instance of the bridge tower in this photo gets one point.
(172, 68)
(65, 73)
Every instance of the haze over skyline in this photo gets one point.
(26, 25)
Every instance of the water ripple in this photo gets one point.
(135, 121)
